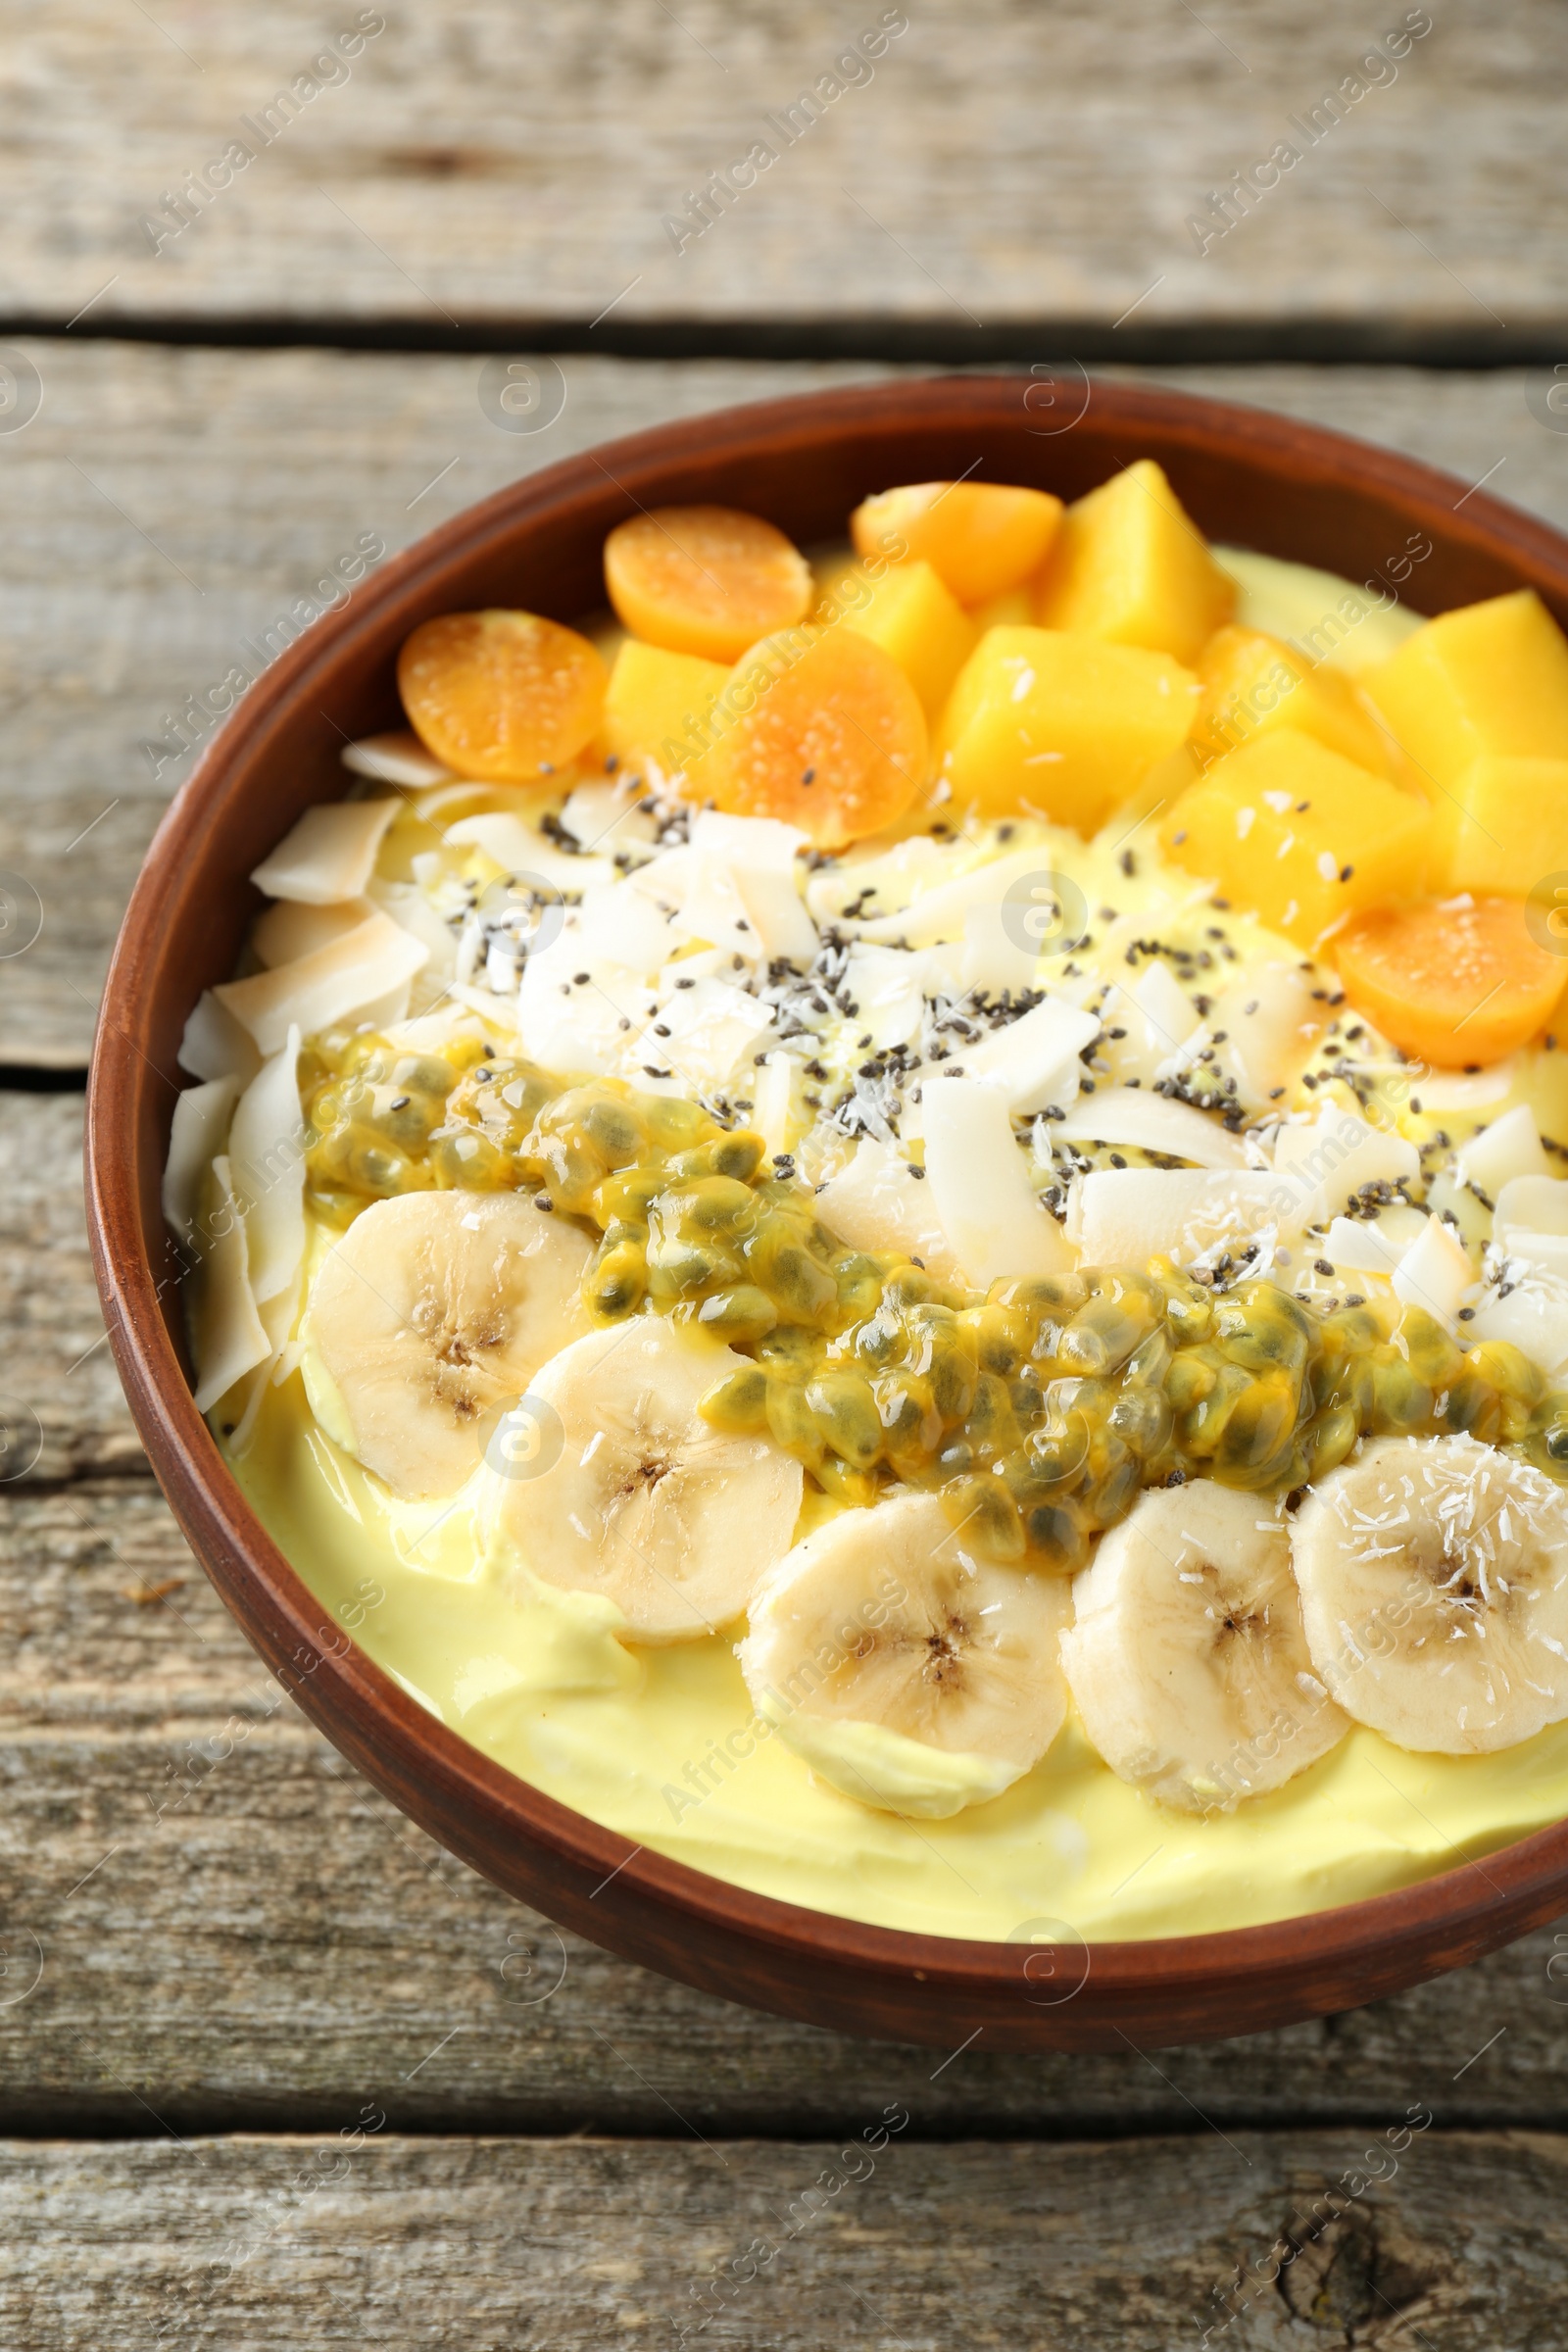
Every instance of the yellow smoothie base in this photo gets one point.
(538, 1681)
(536, 1678)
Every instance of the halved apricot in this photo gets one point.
(821, 728)
(980, 538)
(705, 580)
(1459, 982)
(501, 695)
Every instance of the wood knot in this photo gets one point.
(1361, 2275)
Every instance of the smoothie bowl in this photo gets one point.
(829, 1168)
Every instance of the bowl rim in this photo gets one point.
(1476, 1902)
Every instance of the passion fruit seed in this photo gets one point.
(1038, 1412)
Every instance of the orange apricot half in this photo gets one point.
(705, 580)
(1459, 982)
(501, 696)
(980, 538)
(821, 728)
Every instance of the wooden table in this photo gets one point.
(275, 2071)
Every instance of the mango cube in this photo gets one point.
(1062, 723)
(1491, 679)
(1014, 609)
(657, 702)
(912, 617)
(1299, 835)
(1502, 827)
(1255, 683)
(1128, 566)
(982, 538)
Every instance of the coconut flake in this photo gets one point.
(1146, 1122)
(1533, 1317)
(266, 1161)
(572, 1026)
(366, 968)
(293, 928)
(993, 960)
(1363, 1247)
(200, 1125)
(890, 986)
(228, 1338)
(980, 1189)
(773, 1100)
(623, 924)
(1032, 1062)
(1326, 1164)
(399, 757)
(328, 854)
(519, 848)
(215, 1044)
(1435, 1273)
(1130, 1214)
(410, 910)
(940, 914)
(1497, 1155)
(710, 1029)
(606, 816)
(876, 1201)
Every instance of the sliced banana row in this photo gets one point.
(1187, 1657)
(1434, 1581)
(606, 1480)
(432, 1313)
(906, 1669)
(1215, 1647)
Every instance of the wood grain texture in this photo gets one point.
(1001, 164)
(61, 1407)
(166, 508)
(165, 512)
(228, 1927)
(244, 2247)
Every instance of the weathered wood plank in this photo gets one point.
(163, 514)
(245, 2245)
(165, 507)
(226, 1923)
(61, 1407)
(994, 164)
(204, 1912)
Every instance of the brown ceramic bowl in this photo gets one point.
(1287, 489)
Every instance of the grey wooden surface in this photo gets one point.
(164, 508)
(1004, 164)
(220, 1953)
(236, 2245)
(213, 1929)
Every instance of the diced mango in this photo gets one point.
(1502, 827)
(982, 538)
(912, 617)
(1014, 608)
(1297, 835)
(1130, 566)
(1066, 724)
(1253, 683)
(656, 701)
(1489, 679)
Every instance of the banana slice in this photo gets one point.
(431, 1310)
(1187, 1658)
(904, 1669)
(605, 1479)
(1434, 1577)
